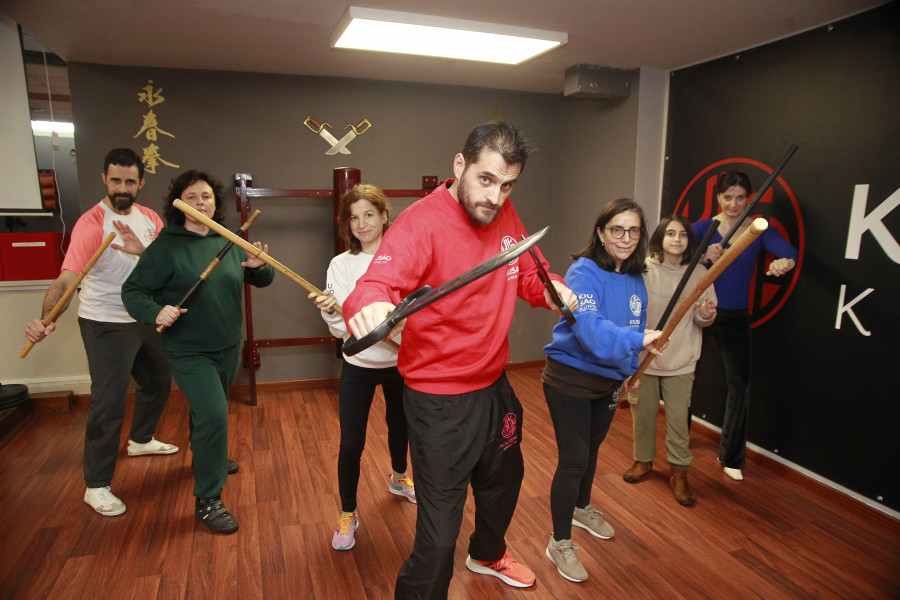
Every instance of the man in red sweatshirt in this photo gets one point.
(464, 418)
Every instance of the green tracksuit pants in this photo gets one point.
(204, 378)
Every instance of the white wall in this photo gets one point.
(57, 363)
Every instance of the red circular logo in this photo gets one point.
(778, 206)
(509, 425)
(506, 243)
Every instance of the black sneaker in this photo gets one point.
(212, 513)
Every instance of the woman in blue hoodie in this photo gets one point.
(587, 364)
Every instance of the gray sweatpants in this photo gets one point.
(116, 351)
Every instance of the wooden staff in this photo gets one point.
(67, 295)
(756, 228)
(238, 241)
(209, 268)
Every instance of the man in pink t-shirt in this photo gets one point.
(116, 345)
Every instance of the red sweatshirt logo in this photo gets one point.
(506, 243)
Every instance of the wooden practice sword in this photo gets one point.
(67, 295)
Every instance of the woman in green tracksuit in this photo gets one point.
(202, 340)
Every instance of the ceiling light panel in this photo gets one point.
(424, 35)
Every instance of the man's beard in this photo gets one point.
(121, 201)
(471, 207)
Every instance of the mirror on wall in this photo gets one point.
(50, 106)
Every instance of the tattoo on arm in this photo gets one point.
(56, 291)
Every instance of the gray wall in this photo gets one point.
(228, 122)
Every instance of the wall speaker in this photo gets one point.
(592, 81)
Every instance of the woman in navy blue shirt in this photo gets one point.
(731, 328)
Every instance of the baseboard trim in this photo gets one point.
(778, 463)
(78, 385)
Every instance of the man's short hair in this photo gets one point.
(498, 136)
(124, 157)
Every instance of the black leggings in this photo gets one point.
(356, 393)
(732, 332)
(580, 426)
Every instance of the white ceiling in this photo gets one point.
(292, 36)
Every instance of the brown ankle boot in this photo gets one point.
(680, 485)
(637, 471)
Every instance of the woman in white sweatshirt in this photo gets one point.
(364, 217)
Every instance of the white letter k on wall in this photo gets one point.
(860, 222)
(848, 308)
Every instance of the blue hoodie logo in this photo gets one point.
(635, 305)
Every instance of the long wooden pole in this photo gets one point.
(756, 228)
(67, 295)
(239, 241)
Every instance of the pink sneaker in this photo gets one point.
(506, 569)
(402, 487)
(343, 535)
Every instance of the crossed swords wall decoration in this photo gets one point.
(337, 145)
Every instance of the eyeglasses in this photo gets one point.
(617, 232)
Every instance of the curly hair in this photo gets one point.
(184, 181)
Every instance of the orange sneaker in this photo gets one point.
(507, 569)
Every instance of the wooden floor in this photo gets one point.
(775, 535)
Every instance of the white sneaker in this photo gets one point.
(154, 446)
(104, 501)
(734, 473)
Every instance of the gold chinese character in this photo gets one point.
(152, 159)
(151, 127)
(152, 96)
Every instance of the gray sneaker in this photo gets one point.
(562, 554)
(591, 520)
